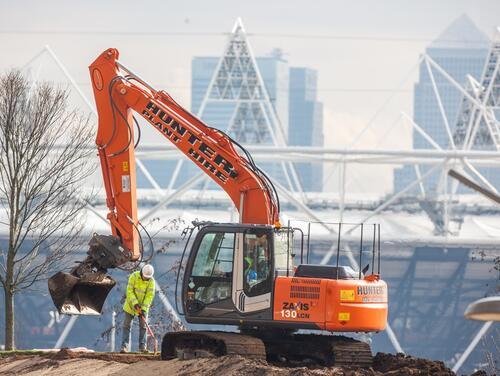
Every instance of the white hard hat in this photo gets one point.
(147, 271)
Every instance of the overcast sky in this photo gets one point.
(363, 50)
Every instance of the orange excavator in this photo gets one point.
(239, 274)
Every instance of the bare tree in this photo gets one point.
(44, 156)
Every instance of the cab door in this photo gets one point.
(208, 287)
(253, 270)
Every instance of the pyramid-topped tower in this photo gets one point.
(238, 83)
(461, 33)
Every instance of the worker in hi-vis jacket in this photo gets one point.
(138, 299)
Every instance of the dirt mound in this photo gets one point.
(400, 364)
(234, 365)
(25, 365)
(68, 362)
(109, 357)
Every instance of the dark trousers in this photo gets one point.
(127, 325)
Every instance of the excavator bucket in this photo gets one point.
(83, 295)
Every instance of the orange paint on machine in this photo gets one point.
(333, 305)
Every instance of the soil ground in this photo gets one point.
(67, 362)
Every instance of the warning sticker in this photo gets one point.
(344, 316)
(125, 183)
(347, 295)
(125, 166)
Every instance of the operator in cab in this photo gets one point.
(139, 296)
(256, 265)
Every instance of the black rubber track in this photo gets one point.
(319, 349)
(216, 343)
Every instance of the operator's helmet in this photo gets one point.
(147, 271)
(251, 276)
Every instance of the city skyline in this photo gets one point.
(354, 89)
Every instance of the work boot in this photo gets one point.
(144, 350)
(123, 350)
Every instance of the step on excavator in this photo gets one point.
(239, 274)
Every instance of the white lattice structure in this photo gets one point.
(478, 125)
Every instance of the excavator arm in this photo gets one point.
(118, 94)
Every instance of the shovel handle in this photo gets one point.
(151, 334)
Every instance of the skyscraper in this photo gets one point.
(305, 123)
(234, 105)
(275, 73)
(460, 50)
(292, 92)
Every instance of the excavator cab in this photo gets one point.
(230, 272)
(244, 275)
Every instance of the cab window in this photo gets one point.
(256, 264)
(211, 278)
(283, 250)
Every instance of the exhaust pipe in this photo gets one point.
(84, 290)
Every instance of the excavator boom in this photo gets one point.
(119, 93)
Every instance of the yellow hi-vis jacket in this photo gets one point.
(138, 292)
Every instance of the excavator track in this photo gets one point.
(318, 349)
(294, 348)
(202, 344)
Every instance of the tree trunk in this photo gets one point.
(9, 320)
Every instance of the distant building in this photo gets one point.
(292, 92)
(461, 50)
(248, 117)
(275, 73)
(305, 123)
